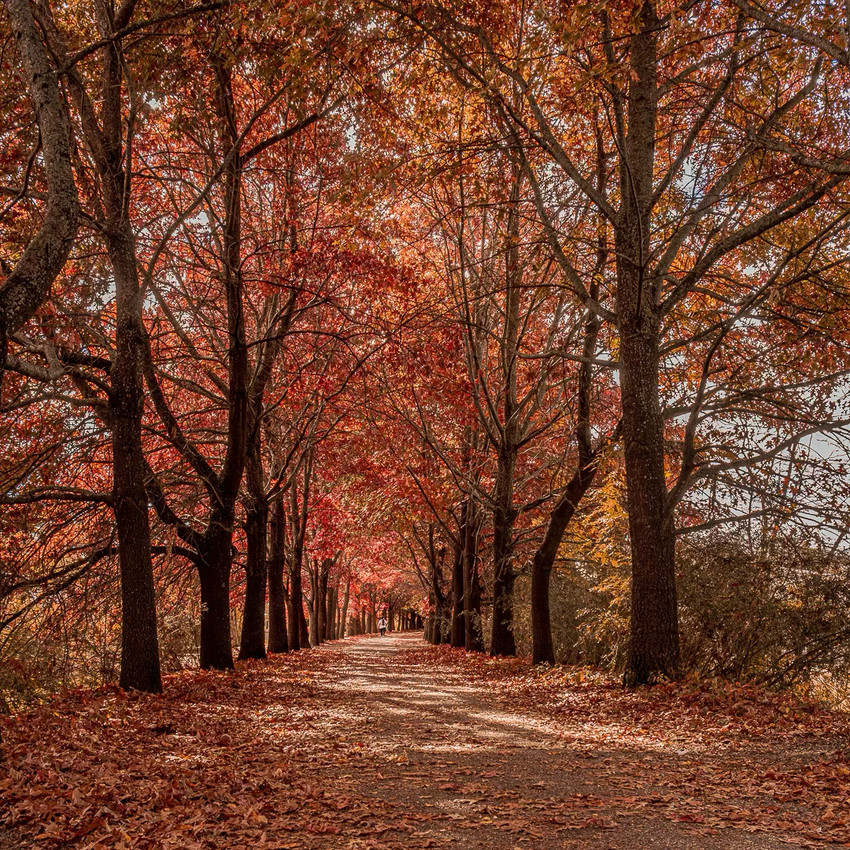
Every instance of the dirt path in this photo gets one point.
(467, 772)
(387, 743)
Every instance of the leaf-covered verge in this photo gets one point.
(381, 742)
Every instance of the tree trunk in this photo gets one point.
(543, 650)
(252, 643)
(343, 620)
(295, 606)
(457, 636)
(473, 636)
(504, 513)
(278, 637)
(332, 613)
(216, 560)
(214, 573)
(502, 636)
(303, 627)
(323, 571)
(140, 668)
(139, 646)
(654, 635)
(313, 619)
(27, 286)
(298, 632)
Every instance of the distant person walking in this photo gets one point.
(382, 625)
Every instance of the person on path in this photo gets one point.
(382, 625)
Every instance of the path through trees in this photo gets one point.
(382, 742)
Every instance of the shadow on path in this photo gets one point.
(459, 769)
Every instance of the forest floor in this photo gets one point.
(387, 743)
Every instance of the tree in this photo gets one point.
(681, 161)
(27, 285)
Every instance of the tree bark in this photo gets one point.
(543, 650)
(252, 643)
(216, 644)
(343, 619)
(214, 572)
(278, 637)
(323, 571)
(502, 640)
(473, 636)
(502, 636)
(28, 284)
(457, 636)
(305, 631)
(313, 619)
(654, 635)
(296, 614)
(140, 667)
(298, 634)
(139, 645)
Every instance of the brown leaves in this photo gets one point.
(420, 749)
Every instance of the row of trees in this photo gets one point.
(361, 294)
(213, 281)
(642, 213)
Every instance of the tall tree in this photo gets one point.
(681, 161)
(27, 285)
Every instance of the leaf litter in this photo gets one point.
(373, 742)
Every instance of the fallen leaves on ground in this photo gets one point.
(346, 747)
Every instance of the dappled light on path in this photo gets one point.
(388, 743)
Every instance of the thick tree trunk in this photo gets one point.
(140, 668)
(654, 633)
(654, 636)
(139, 646)
(27, 286)
(214, 573)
